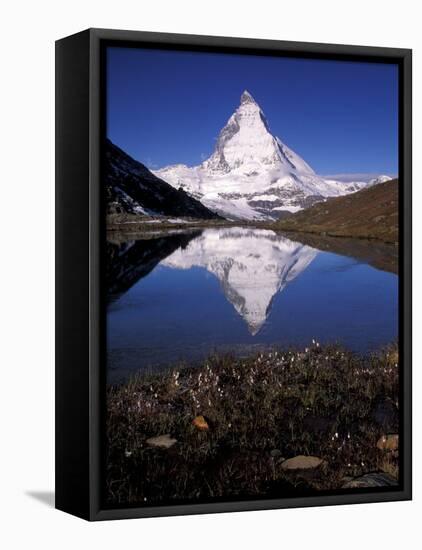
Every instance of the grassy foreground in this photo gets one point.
(230, 424)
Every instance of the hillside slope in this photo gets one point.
(371, 213)
(132, 189)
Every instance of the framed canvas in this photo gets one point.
(233, 281)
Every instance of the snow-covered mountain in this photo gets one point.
(252, 174)
(252, 266)
(350, 185)
(378, 179)
(360, 177)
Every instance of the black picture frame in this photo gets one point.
(79, 230)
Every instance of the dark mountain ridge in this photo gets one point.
(130, 260)
(133, 189)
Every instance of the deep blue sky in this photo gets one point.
(168, 107)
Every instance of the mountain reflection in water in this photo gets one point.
(252, 266)
(183, 295)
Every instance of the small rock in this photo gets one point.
(200, 423)
(388, 442)
(161, 441)
(301, 462)
(376, 479)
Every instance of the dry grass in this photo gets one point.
(371, 213)
(319, 401)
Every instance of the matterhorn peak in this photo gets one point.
(246, 97)
(245, 144)
(251, 173)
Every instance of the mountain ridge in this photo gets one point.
(131, 188)
(252, 174)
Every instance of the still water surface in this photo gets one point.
(181, 296)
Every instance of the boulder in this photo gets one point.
(375, 479)
(301, 462)
(161, 441)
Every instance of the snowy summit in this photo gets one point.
(252, 174)
(246, 98)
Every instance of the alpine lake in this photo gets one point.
(176, 297)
